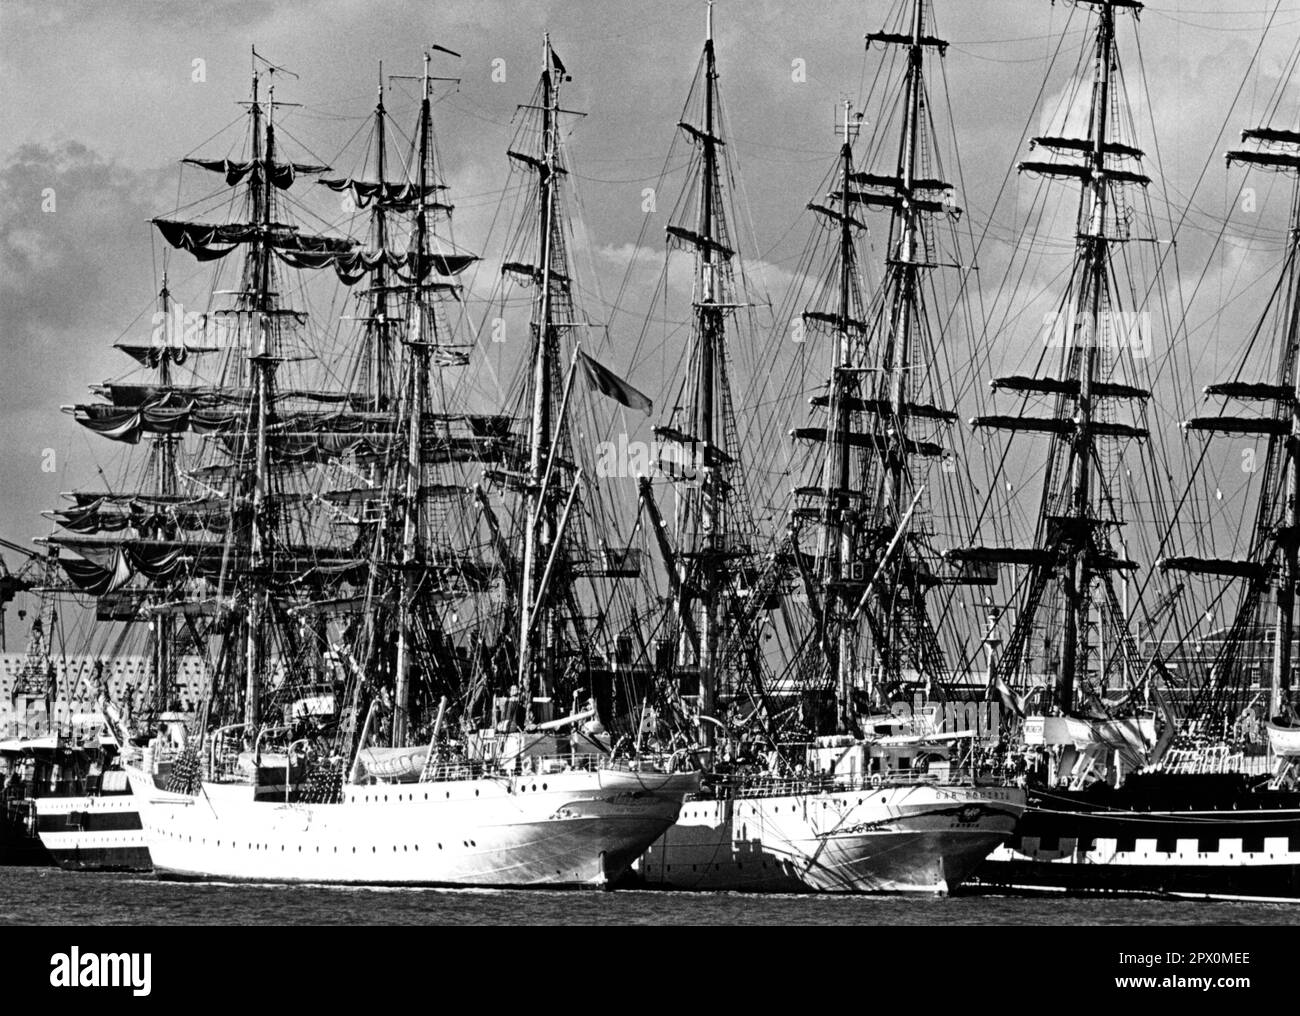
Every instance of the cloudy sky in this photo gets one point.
(99, 100)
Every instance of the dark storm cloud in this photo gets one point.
(73, 237)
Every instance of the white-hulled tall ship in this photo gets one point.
(413, 765)
(837, 793)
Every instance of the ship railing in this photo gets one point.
(526, 765)
(774, 786)
(1208, 759)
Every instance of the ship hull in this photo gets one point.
(1190, 836)
(916, 838)
(100, 832)
(577, 828)
(19, 843)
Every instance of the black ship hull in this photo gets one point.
(100, 832)
(1194, 835)
(19, 842)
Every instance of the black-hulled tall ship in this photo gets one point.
(1142, 780)
(847, 796)
(110, 535)
(46, 766)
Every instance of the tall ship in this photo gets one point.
(1144, 777)
(57, 764)
(386, 704)
(106, 533)
(824, 785)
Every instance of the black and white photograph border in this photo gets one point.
(733, 463)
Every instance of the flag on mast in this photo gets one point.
(608, 383)
(558, 64)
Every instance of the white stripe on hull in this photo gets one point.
(1277, 851)
(75, 839)
(895, 839)
(568, 828)
(94, 804)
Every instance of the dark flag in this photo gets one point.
(558, 64)
(609, 383)
(1010, 699)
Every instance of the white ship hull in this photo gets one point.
(573, 828)
(915, 838)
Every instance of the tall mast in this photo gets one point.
(412, 525)
(164, 464)
(709, 329)
(260, 363)
(1075, 553)
(1274, 541)
(900, 336)
(379, 310)
(1095, 259)
(703, 456)
(241, 455)
(871, 451)
(1289, 574)
(535, 662)
(844, 383)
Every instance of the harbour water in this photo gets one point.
(36, 896)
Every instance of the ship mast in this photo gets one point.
(1095, 255)
(164, 464)
(708, 324)
(905, 267)
(261, 365)
(702, 453)
(1271, 561)
(379, 324)
(840, 519)
(239, 424)
(536, 618)
(418, 370)
(1073, 550)
(873, 444)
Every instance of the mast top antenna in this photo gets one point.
(852, 123)
(270, 67)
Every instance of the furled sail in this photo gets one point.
(283, 174)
